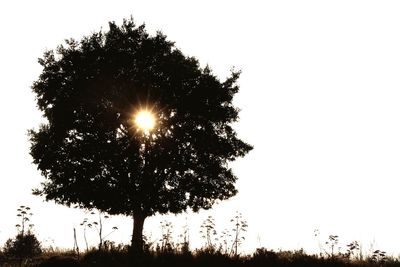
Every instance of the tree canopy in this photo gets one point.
(93, 155)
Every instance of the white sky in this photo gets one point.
(319, 96)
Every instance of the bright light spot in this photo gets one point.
(145, 120)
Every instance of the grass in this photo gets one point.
(219, 250)
(120, 257)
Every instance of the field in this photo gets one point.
(119, 256)
(219, 249)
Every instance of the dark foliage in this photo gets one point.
(203, 258)
(23, 246)
(264, 257)
(58, 261)
(89, 150)
(100, 258)
(3, 258)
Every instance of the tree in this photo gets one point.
(91, 153)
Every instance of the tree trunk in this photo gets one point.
(137, 234)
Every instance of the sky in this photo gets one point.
(319, 95)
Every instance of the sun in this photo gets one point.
(145, 120)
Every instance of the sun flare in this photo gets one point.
(145, 120)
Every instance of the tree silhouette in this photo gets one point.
(90, 151)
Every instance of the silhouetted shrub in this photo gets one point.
(23, 246)
(265, 256)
